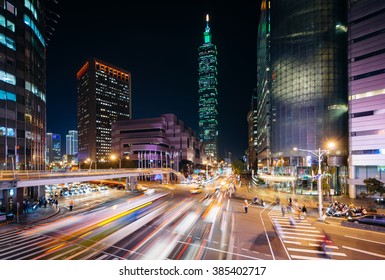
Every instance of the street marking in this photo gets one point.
(327, 246)
(288, 223)
(217, 250)
(365, 252)
(316, 252)
(306, 258)
(300, 238)
(367, 240)
(292, 242)
(102, 257)
(23, 247)
(289, 226)
(301, 230)
(303, 234)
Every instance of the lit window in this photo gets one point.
(11, 8)
(8, 78)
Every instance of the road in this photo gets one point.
(175, 224)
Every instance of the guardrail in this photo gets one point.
(22, 178)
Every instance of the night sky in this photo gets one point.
(157, 41)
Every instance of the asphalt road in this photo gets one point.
(175, 224)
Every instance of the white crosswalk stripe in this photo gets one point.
(301, 238)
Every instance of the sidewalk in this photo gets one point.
(310, 201)
(26, 219)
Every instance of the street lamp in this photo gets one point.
(318, 153)
(90, 161)
(114, 157)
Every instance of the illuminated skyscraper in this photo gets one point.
(208, 95)
(302, 87)
(366, 93)
(72, 142)
(261, 100)
(23, 44)
(53, 148)
(104, 96)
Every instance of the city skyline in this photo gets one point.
(158, 44)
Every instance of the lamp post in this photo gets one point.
(113, 157)
(318, 153)
(90, 161)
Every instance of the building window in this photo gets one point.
(10, 8)
(8, 78)
(7, 23)
(6, 41)
(4, 95)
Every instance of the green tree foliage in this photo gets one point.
(374, 186)
(238, 167)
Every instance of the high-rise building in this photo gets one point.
(366, 93)
(302, 87)
(261, 100)
(104, 96)
(208, 95)
(23, 42)
(22, 84)
(72, 142)
(53, 148)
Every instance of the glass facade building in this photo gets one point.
(261, 102)
(22, 84)
(208, 95)
(308, 75)
(366, 93)
(53, 148)
(72, 142)
(104, 96)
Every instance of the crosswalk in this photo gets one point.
(18, 245)
(301, 238)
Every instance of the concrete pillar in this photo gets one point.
(128, 183)
(352, 187)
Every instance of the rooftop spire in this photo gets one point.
(207, 34)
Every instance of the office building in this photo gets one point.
(104, 96)
(23, 42)
(302, 98)
(53, 148)
(22, 84)
(366, 93)
(164, 141)
(72, 142)
(208, 95)
(261, 99)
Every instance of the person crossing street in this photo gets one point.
(71, 204)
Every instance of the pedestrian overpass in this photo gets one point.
(29, 178)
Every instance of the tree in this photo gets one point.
(238, 167)
(373, 186)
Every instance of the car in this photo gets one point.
(380, 200)
(196, 190)
(369, 219)
(149, 192)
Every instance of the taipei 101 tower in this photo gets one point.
(208, 95)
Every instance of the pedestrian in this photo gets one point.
(246, 205)
(56, 202)
(278, 200)
(71, 204)
(283, 210)
(304, 210)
